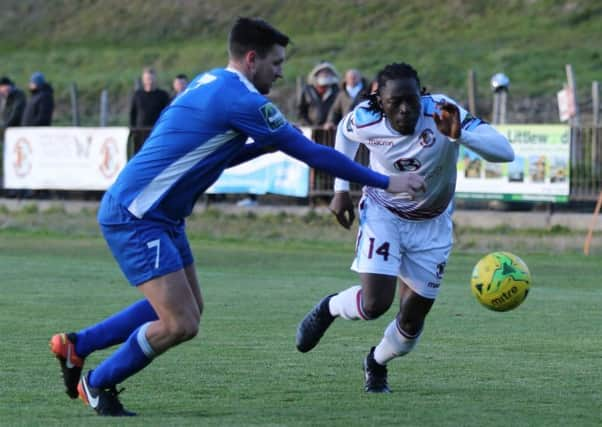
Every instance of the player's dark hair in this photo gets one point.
(393, 71)
(254, 34)
(182, 76)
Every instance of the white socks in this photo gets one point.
(143, 341)
(394, 344)
(348, 304)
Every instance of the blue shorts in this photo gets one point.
(144, 249)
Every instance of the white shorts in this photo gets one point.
(416, 251)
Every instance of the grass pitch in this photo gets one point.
(536, 366)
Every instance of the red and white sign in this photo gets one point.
(64, 158)
(566, 104)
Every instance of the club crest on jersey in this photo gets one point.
(427, 138)
(407, 165)
(272, 116)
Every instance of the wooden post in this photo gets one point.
(570, 78)
(104, 107)
(592, 225)
(74, 104)
(472, 92)
(596, 103)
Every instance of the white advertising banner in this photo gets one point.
(539, 172)
(274, 173)
(64, 158)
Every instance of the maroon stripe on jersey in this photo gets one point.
(416, 215)
(410, 212)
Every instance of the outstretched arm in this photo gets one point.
(249, 152)
(483, 140)
(487, 143)
(253, 115)
(329, 160)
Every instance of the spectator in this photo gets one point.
(147, 104)
(318, 95)
(39, 108)
(374, 84)
(353, 91)
(179, 84)
(14, 104)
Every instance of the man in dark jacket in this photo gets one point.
(318, 95)
(14, 103)
(147, 104)
(39, 108)
(353, 91)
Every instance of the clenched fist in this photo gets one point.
(448, 119)
(341, 206)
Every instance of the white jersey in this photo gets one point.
(427, 152)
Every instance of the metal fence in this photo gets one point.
(586, 163)
(321, 183)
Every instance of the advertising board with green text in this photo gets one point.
(539, 172)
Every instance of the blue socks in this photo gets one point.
(135, 354)
(115, 329)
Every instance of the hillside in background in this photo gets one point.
(105, 43)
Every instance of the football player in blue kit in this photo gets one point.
(400, 236)
(142, 215)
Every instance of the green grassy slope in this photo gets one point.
(104, 43)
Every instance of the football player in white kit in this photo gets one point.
(409, 235)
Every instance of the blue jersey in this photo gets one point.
(202, 132)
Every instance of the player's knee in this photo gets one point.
(185, 330)
(373, 309)
(191, 331)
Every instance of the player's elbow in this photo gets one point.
(508, 154)
(503, 154)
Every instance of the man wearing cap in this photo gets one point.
(318, 95)
(39, 108)
(14, 103)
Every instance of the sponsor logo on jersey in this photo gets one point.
(380, 142)
(272, 116)
(433, 285)
(427, 138)
(407, 165)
